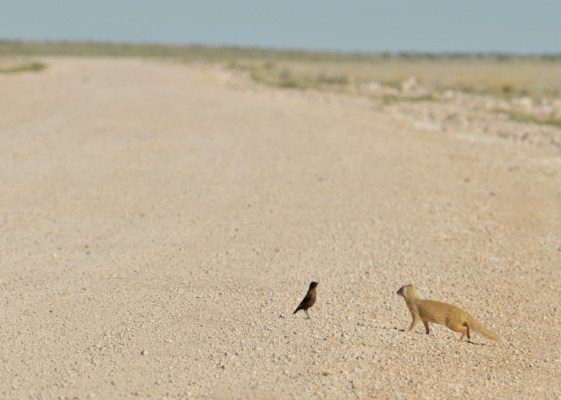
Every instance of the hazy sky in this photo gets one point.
(530, 26)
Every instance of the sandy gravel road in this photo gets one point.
(159, 223)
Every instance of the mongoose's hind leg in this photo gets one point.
(463, 329)
(426, 323)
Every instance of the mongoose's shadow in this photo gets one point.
(395, 328)
(476, 343)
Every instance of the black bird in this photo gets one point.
(309, 299)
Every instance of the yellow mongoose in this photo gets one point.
(441, 313)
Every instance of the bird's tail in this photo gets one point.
(474, 325)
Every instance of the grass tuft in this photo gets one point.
(392, 98)
(24, 67)
(528, 118)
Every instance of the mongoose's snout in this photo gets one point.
(400, 291)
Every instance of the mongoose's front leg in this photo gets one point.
(426, 324)
(414, 323)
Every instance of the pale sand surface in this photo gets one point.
(160, 223)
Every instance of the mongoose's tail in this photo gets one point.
(474, 325)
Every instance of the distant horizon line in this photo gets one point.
(287, 49)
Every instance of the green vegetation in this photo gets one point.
(22, 67)
(275, 74)
(184, 53)
(390, 98)
(526, 117)
(494, 74)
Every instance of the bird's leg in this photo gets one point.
(306, 311)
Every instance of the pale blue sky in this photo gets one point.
(529, 26)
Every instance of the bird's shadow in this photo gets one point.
(391, 328)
